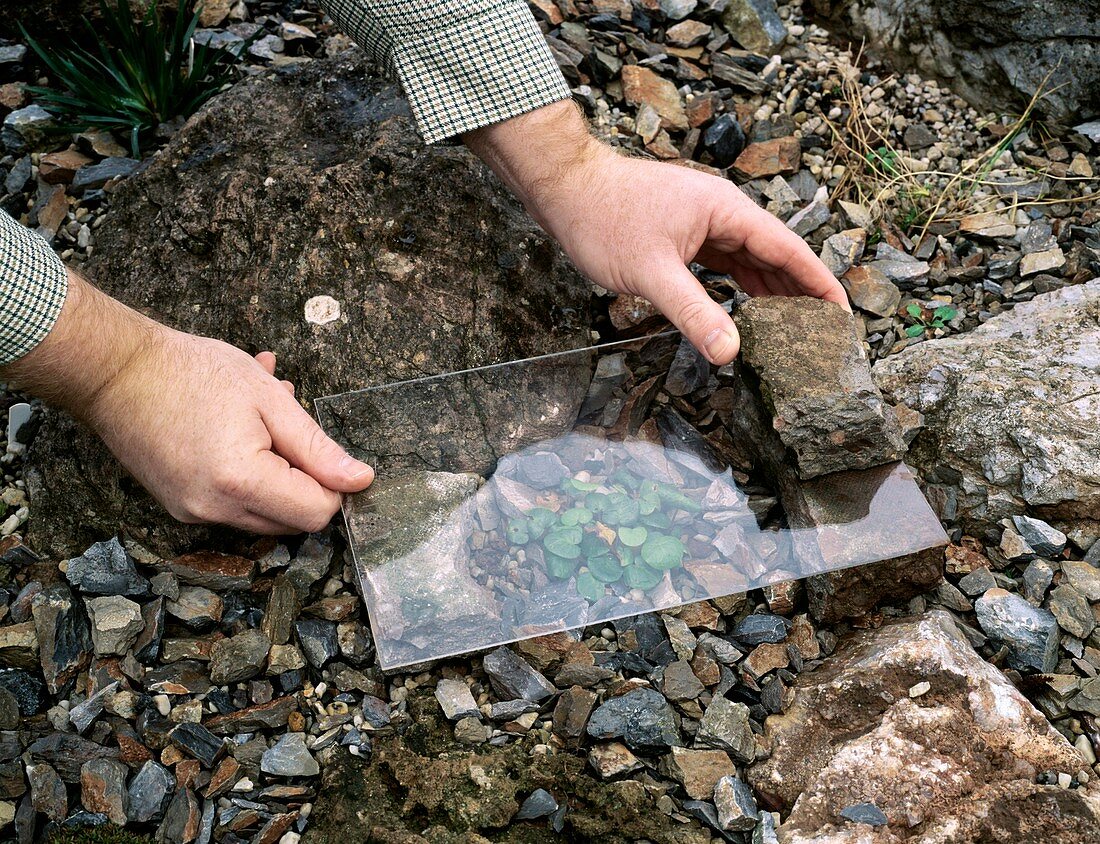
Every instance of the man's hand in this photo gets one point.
(206, 428)
(633, 225)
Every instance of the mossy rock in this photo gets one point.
(422, 787)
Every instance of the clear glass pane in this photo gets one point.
(572, 489)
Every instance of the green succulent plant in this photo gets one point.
(619, 531)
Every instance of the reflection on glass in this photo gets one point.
(491, 521)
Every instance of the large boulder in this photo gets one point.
(954, 761)
(313, 183)
(996, 55)
(1012, 412)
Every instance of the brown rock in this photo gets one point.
(687, 33)
(642, 86)
(219, 572)
(12, 96)
(224, 776)
(19, 646)
(187, 771)
(273, 830)
(571, 713)
(264, 716)
(214, 12)
(612, 759)
(952, 761)
(182, 819)
(778, 156)
(766, 657)
(103, 788)
(698, 770)
(699, 110)
(52, 214)
(59, 168)
(628, 311)
(132, 752)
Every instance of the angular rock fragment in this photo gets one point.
(698, 771)
(239, 657)
(870, 290)
(197, 608)
(64, 639)
(815, 381)
(182, 820)
(67, 753)
(48, 793)
(317, 639)
(539, 804)
(264, 716)
(116, 623)
(642, 718)
(1030, 633)
(769, 158)
(19, 645)
(289, 757)
(737, 810)
(83, 714)
(642, 86)
(103, 788)
(197, 741)
(147, 645)
(512, 677)
(455, 700)
(106, 569)
(612, 759)
(755, 25)
(725, 726)
(150, 792)
(571, 713)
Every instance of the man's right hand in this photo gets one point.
(207, 429)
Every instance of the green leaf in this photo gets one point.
(595, 501)
(564, 542)
(627, 556)
(580, 486)
(945, 313)
(633, 537)
(621, 509)
(641, 576)
(576, 516)
(540, 520)
(589, 587)
(560, 567)
(914, 310)
(914, 331)
(592, 545)
(648, 502)
(626, 479)
(518, 533)
(605, 568)
(657, 520)
(663, 552)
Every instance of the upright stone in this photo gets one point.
(803, 357)
(64, 639)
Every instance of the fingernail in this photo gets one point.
(356, 470)
(721, 345)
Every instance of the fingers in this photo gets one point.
(750, 230)
(289, 497)
(299, 439)
(267, 361)
(703, 321)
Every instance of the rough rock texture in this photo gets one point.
(315, 183)
(954, 764)
(996, 55)
(422, 787)
(804, 357)
(1008, 429)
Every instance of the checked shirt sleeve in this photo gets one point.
(33, 285)
(463, 64)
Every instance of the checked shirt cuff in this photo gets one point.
(491, 67)
(33, 284)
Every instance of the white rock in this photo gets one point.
(321, 310)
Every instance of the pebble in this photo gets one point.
(455, 699)
(1030, 633)
(1044, 540)
(289, 757)
(737, 810)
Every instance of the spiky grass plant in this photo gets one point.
(140, 74)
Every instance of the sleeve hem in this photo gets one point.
(33, 287)
(493, 67)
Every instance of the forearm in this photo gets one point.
(540, 155)
(93, 340)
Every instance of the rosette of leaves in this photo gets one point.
(141, 73)
(619, 532)
(925, 320)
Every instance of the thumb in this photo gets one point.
(703, 321)
(297, 438)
